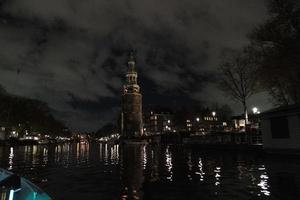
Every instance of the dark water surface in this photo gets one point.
(101, 171)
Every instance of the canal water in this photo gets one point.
(102, 171)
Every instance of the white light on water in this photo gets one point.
(10, 157)
(263, 184)
(200, 172)
(144, 157)
(217, 176)
(169, 164)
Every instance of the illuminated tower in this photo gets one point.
(132, 123)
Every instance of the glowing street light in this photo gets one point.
(255, 110)
(213, 113)
(197, 119)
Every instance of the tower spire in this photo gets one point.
(131, 61)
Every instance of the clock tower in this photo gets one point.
(132, 120)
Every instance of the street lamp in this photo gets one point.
(255, 110)
(213, 113)
(197, 119)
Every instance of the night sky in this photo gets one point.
(72, 53)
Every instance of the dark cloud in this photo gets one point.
(72, 53)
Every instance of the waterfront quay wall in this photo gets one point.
(213, 138)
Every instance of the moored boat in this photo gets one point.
(14, 187)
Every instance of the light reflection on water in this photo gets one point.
(169, 164)
(217, 175)
(263, 184)
(200, 172)
(10, 158)
(95, 170)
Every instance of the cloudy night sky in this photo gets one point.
(72, 53)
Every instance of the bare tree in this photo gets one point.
(238, 78)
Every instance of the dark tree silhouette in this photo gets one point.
(107, 130)
(28, 114)
(238, 77)
(276, 45)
